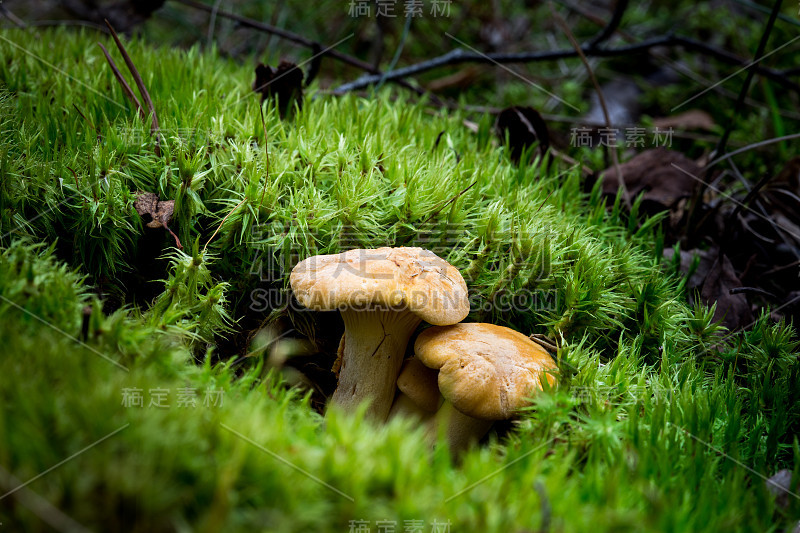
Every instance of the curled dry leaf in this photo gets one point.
(524, 127)
(155, 213)
(652, 173)
(705, 260)
(783, 196)
(284, 84)
(694, 119)
(732, 309)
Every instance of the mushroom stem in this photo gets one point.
(417, 392)
(374, 347)
(406, 407)
(459, 429)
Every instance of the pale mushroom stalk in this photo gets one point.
(417, 392)
(404, 406)
(460, 430)
(374, 346)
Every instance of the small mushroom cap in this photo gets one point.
(418, 382)
(391, 278)
(486, 371)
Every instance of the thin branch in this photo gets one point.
(39, 506)
(124, 84)
(18, 22)
(266, 151)
(95, 128)
(212, 23)
(308, 43)
(66, 22)
(751, 194)
(614, 156)
(223, 222)
(136, 78)
(749, 147)
(280, 32)
(611, 27)
(459, 56)
(749, 79)
(450, 201)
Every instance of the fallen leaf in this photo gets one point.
(284, 84)
(524, 127)
(694, 119)
(146, 204)
(783, 193)
(705, 261)
(652, 173)
(156, 214)
(788, 307)
(732, 309)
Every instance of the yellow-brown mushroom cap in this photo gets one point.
(412, 279)
(486, 371)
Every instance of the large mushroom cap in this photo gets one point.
(486, 371)
(392, 278)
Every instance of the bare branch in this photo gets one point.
(459, 56)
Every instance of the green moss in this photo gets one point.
(624, 442)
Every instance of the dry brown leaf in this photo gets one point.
(284, 84)
(783, 196)
(156, 214)
(694, 119)
(652, 173)
(524, 127)
(732, 309)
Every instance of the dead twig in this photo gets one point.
(611, 27)
(266, 151)
(84, 117)
(223, 222)
(697, 197)
(613, 149)
(304, 41)
(39, 506)
(18, 22)
(137, 78)
(749, 79)
(749, 147)
(450, 201)
(126, 89)
(459, 56)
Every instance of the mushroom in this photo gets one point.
(486, 373)
(418, 395)
(383, 295)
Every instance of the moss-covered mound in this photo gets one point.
(126, 402)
